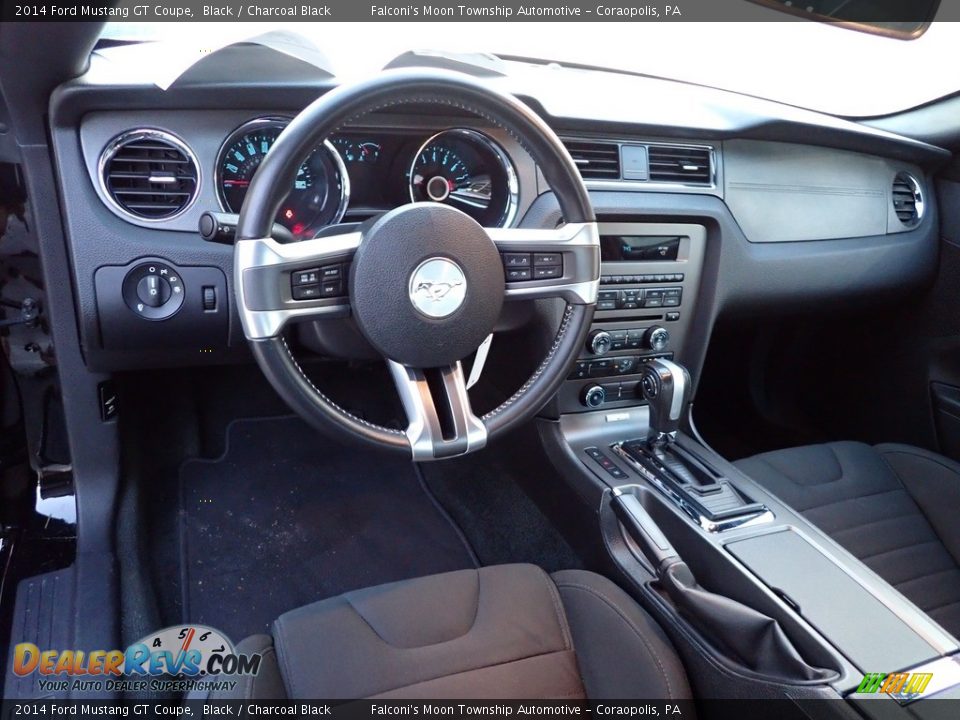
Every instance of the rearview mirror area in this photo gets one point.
(900, 19)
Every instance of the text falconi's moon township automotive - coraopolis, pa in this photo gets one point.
(504, 12)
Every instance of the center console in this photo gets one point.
(735, 575)
(650, 274)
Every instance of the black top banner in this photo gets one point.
(901, 17)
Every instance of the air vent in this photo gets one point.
(149, 175)
(907, 199)
(678, 164)
(595, 160)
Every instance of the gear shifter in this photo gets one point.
(666, 387)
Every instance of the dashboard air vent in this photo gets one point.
(149, 175)
(596, 160)
(907, 199)
(678, 164)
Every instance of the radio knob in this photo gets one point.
(599, 342)
(594, 396)
(657, 338)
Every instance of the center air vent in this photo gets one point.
(679, 164)
(595, 160)
(907, 199)
(149, 175)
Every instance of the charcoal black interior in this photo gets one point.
(613, 398)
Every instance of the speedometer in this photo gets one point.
(469, 171)
(320, 190)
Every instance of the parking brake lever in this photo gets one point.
(645, 531)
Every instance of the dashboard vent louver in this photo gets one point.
(149, 175)
(596, 160)
(678, 164)
(907, 199)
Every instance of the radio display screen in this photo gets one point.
(639, 248)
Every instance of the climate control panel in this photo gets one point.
(600, 342)
(645, 309)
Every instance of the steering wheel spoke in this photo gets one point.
(282, 283)
(426, 280)
(540, 263)
(440, 420)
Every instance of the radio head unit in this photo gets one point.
(639, 248)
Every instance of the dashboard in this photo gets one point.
(716, 211)
(162, 171)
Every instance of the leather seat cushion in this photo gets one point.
(892, 506)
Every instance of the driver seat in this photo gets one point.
(506, 631)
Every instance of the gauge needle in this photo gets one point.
(241, 183)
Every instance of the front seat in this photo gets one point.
(507, 631)
(892, 506)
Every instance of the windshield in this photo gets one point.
(807, 64)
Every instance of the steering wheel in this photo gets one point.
(426, 282)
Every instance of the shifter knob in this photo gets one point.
(666, 388)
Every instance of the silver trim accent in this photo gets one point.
(513, 184)
(437, 287)
(109, 152)
(284, 258)
(583, 238)
(423, 430)
(917, 190)
(758, 517)
(281, 121)
(479, 360)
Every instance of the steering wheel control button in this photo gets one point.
(306, 292)
(548, 260)
(517, 274)
(314, 283)
(545, 273)
(306, 277)
(438, 287)
(153, 290)
(520, 267)
(516, 260)
(426, 285)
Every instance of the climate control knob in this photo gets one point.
(599, 342)
(657, 338)
(594, 396)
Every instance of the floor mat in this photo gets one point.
(287, 517)
(483, 493)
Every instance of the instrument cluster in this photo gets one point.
(354, 176)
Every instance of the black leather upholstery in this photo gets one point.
(508, 631)
(892, 506)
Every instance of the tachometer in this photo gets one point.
(320, 190)
(469, 171)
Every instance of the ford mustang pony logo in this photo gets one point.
(437, 291)
(437, 287)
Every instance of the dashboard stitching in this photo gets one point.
(564, 326)
(330, 402)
